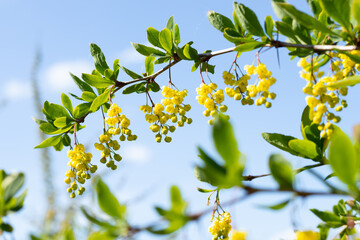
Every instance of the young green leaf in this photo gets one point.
(62, 122)
(99, 58)
(190, 52)
(147, 51)
(96, 81)
(88, 96)
(170, 23)
(81, 109)
(225, 141)
(149, 65)
(281, 170)
(303, 18)
(349, 81)
(220, 22)
(339, 11)
(176, 35)
(277, 10)
(54, 111)
(278, 206)
(153, 37)
(279, 141)
(248, 20)
(50, 142)
(108, 202)
(342, 157)
(269, 26)
(165, 38)
(11, 185)
(355, 9)
(99, 100)
(233, 36)
(132, 74)
(65, 100)
(249, 46)
(305, 148)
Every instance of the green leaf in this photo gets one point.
(147, 51)
(47, 128)
(220, 22)
(237, 24)
(99, 58)
(225, 141)
(339, 11)
(11, 185)
(277, 10)
(94, 219)
(286, 30)
(153, 37)
(356, 10)
(116, 68)
(206, 67)
(233, 36)
(342, 157)
(62, 122)
(65, 100)
(88, 96)
(178, 205)
(108, 202)
(349, 81)
(305, 120)
(305, 148)
(66, 140)
(190, 52)
(278, 206)
(248, 20)
(97, 81)
(281, 170)
(326, 216)
(211, 172)
(170, 23)
(149, 65)
(269, 26)
(5, 227)
(19, 202)
(50, 142)
(154, 87)
(303, 18)
(54, 111)
(165, 38)
(100, 100)
(132, 74)
(176, 34)
(202, 190)
(279, 141)
(249, 46)
(162, 60)
(100, 235)
(81, 109)
(81, 84)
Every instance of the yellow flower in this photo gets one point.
(238, 235)
(307, 235)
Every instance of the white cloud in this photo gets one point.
(136, 153)
(15, 90)
(284, 235)
(57, 77)
(130, 56)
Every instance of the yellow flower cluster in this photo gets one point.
(211, 98)
(307, 235)
(238, 235)
(321, 97)
(80, 169)
(171, 108)
(117, 125)
(221, 227)
(239, 89)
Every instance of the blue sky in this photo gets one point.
(63, 30)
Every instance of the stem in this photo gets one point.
(206, 57)
(296, 171)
